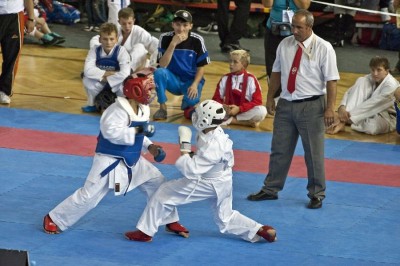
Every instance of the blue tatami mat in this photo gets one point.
(358, 224)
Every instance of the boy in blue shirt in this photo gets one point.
(182, 57)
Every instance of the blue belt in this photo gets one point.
(112, 166)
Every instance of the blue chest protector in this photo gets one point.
(109, 62)
(130, 154)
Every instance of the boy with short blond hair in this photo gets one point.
(140, 44)
(240, 92)
(106, 67)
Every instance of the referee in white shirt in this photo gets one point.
(303, 112)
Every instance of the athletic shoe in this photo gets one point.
(88, 28)
(268, 233)
(138, 236)
(226, 48)
(161, 114)
(4, 98)
(187, 113)
(60, 39)
(89, 109)
(211, 28)
(56, 35)
(178, 229)
(237, 46)
(48, 40)
(49, 226)
(96, 29)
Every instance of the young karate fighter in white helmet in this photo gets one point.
(206, 175)
(118, 164)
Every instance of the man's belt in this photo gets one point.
(313, 98)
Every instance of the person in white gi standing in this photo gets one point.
(117, 164)
(206, 175)
(113, 7)
(306, 68)
(367, 106)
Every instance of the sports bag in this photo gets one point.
(390, 38)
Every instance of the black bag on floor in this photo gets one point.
(390, 38)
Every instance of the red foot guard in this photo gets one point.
(137, 236)
(178, 229)
(49, 226)
(268, 233)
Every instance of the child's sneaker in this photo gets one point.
(211, 28)
(88, 28)
(89, 109)
(187, 113)
(4, 98)
(48, 40)
(161, 114)
(60, 39)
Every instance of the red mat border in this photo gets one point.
(245, 161)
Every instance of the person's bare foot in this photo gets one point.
(335, 128)
(247, 123)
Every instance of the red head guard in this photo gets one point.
(139, 89)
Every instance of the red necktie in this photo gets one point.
(293, 70)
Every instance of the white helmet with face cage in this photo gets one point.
(208, 113)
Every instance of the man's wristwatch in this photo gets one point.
(31, 19)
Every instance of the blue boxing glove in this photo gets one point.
(149, 130)
(160, 156)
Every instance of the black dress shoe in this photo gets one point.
(236, 46)
(226, 48)
(261, 195)
(315, 203)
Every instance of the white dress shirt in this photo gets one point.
(317, 66)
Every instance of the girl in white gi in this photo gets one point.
(240, 92)
(206, 175)
(137, 41)
(368, 105)
(117, 164)
(106, 67)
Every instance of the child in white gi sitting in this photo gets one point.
(240, 92)
(106, 67)
(368, 105)
(206, 175)
(118, 164)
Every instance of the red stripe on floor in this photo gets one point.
(245, 161)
